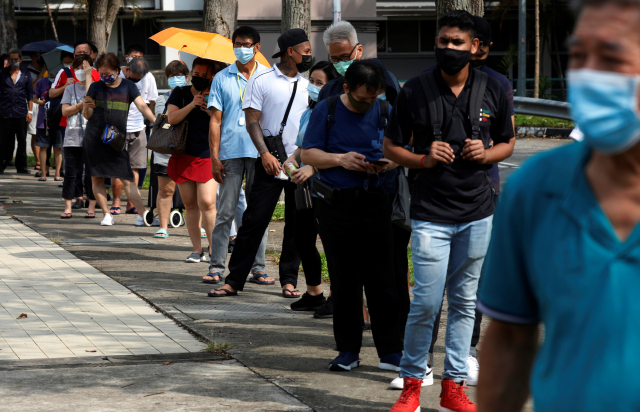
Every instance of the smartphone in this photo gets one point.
(379, 162)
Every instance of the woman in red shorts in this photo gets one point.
(192, 170)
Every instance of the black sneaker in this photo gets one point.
(325, 311)
(308, 302)
(78, 204)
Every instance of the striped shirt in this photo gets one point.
(118, 100)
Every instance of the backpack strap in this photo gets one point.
(332, 102)
(434, 101)
(384, 114)
(475, 102)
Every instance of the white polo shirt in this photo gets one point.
(270, 92)
(149, 92)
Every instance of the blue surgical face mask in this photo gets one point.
(177, 81)
(313, 92)
(605, 107)
(383, 96)
(108, 79)
(244, 54)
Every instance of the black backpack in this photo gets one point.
(436, 110)
(333, 102)
(54, 112)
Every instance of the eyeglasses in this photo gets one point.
(344, 57)
(245, 45)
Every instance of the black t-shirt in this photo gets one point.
(198, 130)
(461, 191)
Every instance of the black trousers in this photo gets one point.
(261, 202)
(357, 237)
(14, 128)
(306, 235)
(74, 160)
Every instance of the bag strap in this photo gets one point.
(384, 114)
(434, 101)
(332, 102)
(80, 112)
(286, 114)
(475, 102)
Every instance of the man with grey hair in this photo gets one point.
(136, 137)
(341, 40)
(16, 109)
(573, 263)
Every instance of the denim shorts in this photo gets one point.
(44, 139)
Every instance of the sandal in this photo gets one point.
(131, 211)
(90, 216)
(42, 179)
(227, 292)
(37, 167)
(291, 293)
(58, 179)
(66, 216)
(161, 234)
(257, 276)
(203, 234)
(213, 275)
(115, 211)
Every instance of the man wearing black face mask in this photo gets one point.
(452, 200)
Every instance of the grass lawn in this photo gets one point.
(533, 121)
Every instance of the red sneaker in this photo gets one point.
(410, 397)
(454, 399)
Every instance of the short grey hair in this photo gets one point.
(339, 32)
(139, 66)
(15, 51)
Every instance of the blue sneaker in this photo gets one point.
(345, 361)
(391, 362)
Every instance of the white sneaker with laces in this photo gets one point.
(398, 383)
(107, 221)
(474, 370)
(156, 222)
(139, 221)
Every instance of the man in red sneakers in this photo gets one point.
(453, 112)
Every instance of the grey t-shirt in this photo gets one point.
(76, 124)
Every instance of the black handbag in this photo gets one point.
(274, 144)
(111, 135)
(303, 197)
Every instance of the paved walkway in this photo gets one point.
(71, 308)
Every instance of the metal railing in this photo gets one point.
(542, 107)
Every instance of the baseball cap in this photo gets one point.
(290, 38)
(483, 30)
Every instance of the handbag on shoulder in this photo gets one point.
(166, 138)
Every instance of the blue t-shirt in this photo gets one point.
(352, 132)
(225, 96)
(555, 258)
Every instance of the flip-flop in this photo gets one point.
(37, 167)
(66, 216)
(213, 274)
(58, 179)
(203, 233)
(90, 216)
(42, 179)
(131, 211)
(161, 234)
(291, 293)
(115, 211)
(226, 293)
(255, 280)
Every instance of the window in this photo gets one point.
(403, 36)
(427, 35)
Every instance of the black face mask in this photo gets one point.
(452, 61)
(134, 80)
(200, 83)
(478, 64)
(305, 64)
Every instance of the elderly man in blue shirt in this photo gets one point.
(233, 155)
(16, 110)
(565, 249)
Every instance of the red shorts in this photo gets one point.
(183, 167)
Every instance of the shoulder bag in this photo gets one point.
(111, 135)
(166, 138)
(274, 144)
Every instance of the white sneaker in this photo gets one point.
(107, 221)
(139, 221)
(156, 222)
(474, 370)
(398, 383)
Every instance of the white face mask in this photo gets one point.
(66, 65)
(80, 75)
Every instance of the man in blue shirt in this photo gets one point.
(233, 154)
(16, 109)
(565, 250)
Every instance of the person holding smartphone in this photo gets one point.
(353, 186)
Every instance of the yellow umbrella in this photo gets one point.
(203, 44)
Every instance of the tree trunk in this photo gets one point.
(101, 14)
(536, 75)
(53, 23)
(220, 16)
(8, 35)
(475, 7)
(296, 14)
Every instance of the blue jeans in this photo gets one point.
(450, 254)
